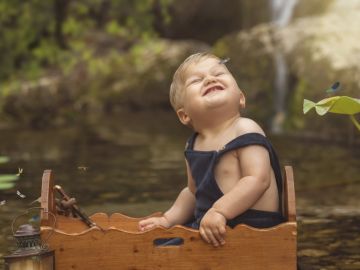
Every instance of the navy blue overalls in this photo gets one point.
(202, 165)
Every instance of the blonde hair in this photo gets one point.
(177, 85)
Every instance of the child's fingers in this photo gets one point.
(145, 223)
(210, 235)
(222, 230)
(149, 227)
(204, 236)
(219, 236)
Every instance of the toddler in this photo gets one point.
(233, 172)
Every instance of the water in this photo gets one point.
(281, 13)
(135, 165)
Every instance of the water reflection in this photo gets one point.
(135, 165)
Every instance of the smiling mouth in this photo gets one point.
(212, 89)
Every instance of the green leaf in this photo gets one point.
(308, 105)
(337, 104)
(6, 185)
(8, 178)
(4, 159)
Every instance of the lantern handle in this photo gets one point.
(27, 212)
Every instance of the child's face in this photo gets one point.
(209, 85)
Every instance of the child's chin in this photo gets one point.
(226, 101)
(216, 102)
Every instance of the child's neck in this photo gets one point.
(216, 126)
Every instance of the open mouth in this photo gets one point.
(212, 89)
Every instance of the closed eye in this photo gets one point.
(196, 80)
(219, 74)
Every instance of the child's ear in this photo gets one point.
(242, 100)
(183, 116)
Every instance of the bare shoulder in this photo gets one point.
(247, 125)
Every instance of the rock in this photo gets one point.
(138, 79)
(37, 103)
(319, 50)
(307, 8)
(142, 80)
(312, 253)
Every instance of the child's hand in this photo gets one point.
(212, 227)
(149, 223)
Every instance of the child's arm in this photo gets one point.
(256, 175)
(256, 170)
(179, 213)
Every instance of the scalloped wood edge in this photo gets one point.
(182, 230)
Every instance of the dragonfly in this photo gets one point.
(334, 88)
(20, 171)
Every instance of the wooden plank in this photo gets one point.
(245, 248)
(47, 198)
(289, 195)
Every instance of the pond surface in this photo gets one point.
(135, 165)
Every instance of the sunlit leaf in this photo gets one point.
(8, 178)
(6, 185)
(337, 104)
(4, 159)
(308, 105)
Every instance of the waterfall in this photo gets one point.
(281, 13)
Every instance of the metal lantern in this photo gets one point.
(30, 254)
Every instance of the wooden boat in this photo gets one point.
(119, 244)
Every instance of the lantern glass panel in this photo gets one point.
(41, 261)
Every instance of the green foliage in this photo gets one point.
(38, 35)
(337, 104)
(3, 159)
(7, 180)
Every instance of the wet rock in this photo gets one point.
(350, 265)
(312, 253)
(307, 221)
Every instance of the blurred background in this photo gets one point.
(84, 91)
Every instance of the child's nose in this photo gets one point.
(209, 79)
